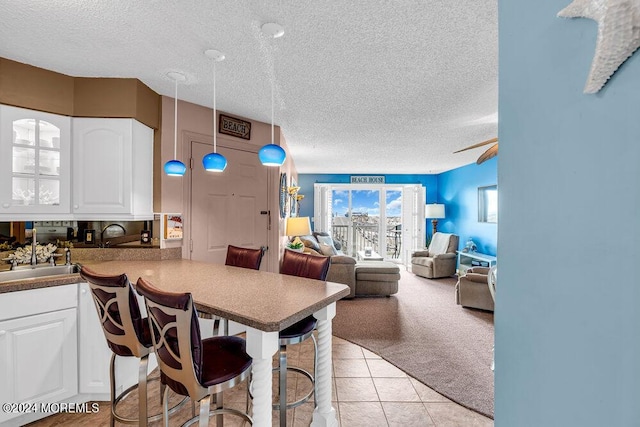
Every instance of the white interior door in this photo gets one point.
(229, 207)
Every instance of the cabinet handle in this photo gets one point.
(75, 206)
(3, 333)
(84, 291)
(5, 205)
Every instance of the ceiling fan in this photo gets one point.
(491, 152)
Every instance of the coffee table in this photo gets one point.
(373, 257)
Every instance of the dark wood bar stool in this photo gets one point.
(311, 267)
(189, 365)
(127, 334)
(236, 257)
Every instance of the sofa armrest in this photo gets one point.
(420, 254)
(342, 259)
(343, 270)
(479, 270)
(476, 277)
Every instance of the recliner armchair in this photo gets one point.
(439, 260)
(472, 289)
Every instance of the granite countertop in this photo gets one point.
(263, 300)
(39, 282)
(88, 256)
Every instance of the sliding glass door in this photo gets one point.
(366, 217)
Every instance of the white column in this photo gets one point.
(261, 346)
(324, 415)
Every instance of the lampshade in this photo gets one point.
(298, 226)
(434, 210)
(175, 167)
(214, 162)
(272, 155)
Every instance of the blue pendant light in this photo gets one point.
(214, 162)
(272, 154)
(175, 167)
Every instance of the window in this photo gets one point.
(389, 218)
(488, 204)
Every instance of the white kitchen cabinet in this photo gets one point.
(38, 350)
(95, 354)
(93, 349)
(112, 169)
(35, 163)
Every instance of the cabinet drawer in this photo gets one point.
(35, 301)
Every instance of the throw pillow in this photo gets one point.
(325, 240)
(327, 250)
(310, 242)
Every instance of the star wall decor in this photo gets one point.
(618, 35)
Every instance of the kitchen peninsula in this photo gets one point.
(262, 301)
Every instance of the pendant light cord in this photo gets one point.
(175, 123)
(215, 130)
(272, 84)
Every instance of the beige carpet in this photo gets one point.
(422, 331)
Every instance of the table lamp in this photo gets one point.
(298, 226)
(435, 211)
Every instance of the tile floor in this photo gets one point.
(367, 391)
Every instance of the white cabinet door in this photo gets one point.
(112, 169)
(38, 359)
(35, 166)
(94, 352)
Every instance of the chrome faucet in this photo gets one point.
(34, 245)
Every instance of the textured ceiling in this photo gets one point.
(373, 86)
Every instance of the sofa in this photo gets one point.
(472, 289)
(367, 278)
(342, 268)
(439, 260)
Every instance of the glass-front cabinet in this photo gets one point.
(35, 166)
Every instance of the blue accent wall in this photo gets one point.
(458, 191)
(306, 181)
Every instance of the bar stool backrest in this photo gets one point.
(305, 265)
(244, 257)
(176, 339)
(127, 333)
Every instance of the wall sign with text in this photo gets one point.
(367, 180)
(234, 127)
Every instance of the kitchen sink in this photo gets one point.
(27, 272)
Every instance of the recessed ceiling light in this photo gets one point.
(273, 30)
(178, 77)
(216, 55)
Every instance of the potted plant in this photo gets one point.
(297, 246)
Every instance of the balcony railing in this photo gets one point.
(367, 235)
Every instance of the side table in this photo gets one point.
(465, 259)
